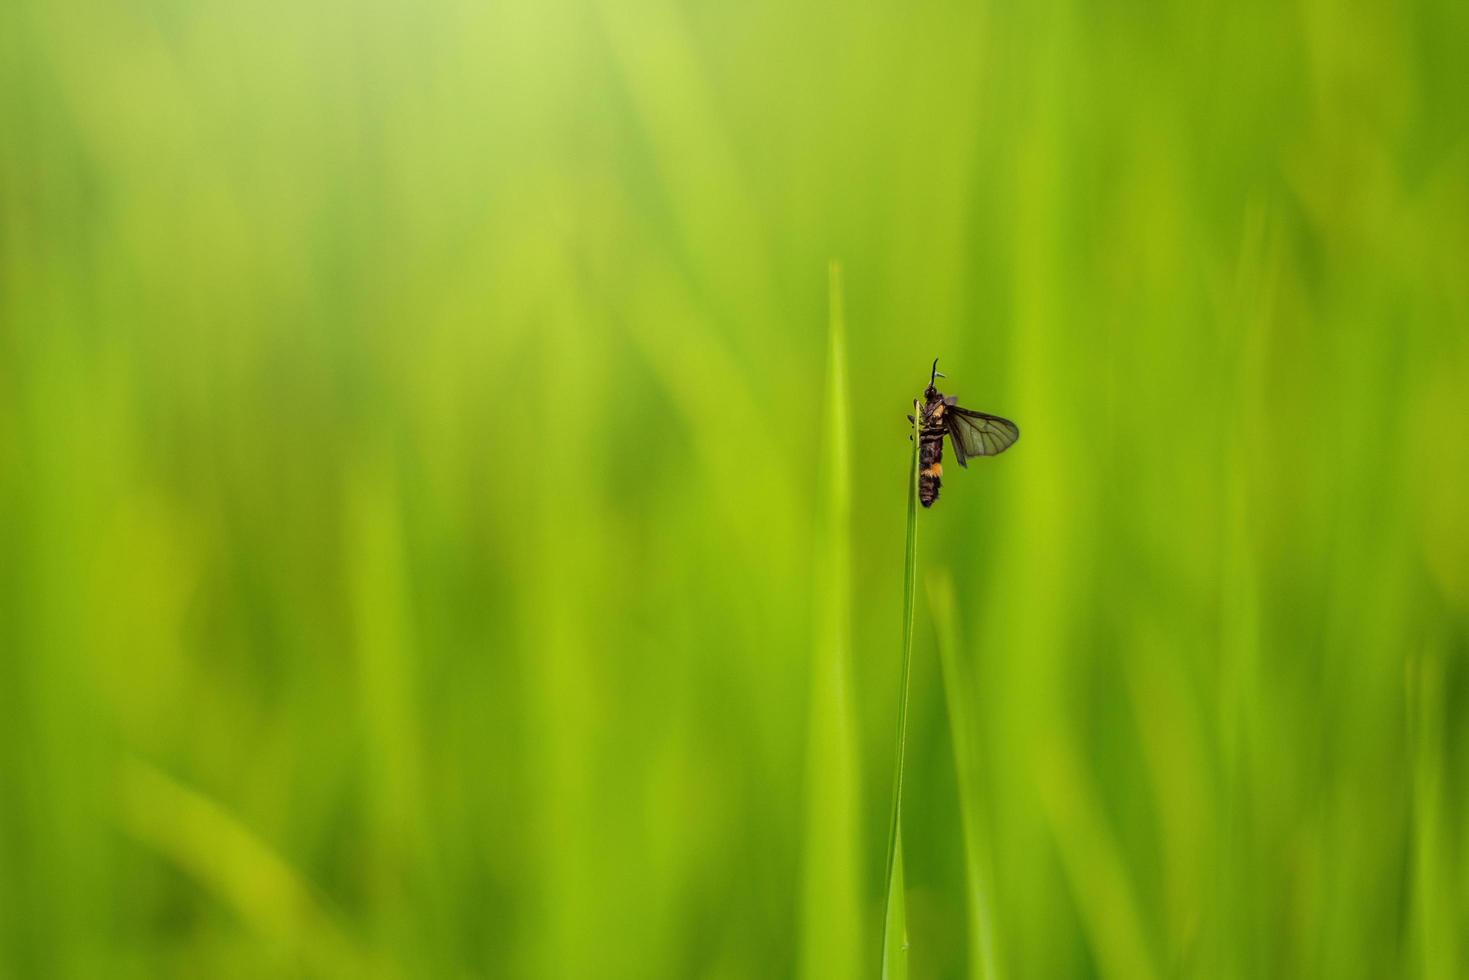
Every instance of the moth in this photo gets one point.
(972, 433)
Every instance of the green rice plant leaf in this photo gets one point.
(205, 839)
(894, 919)
(964, 728)
(832, 870)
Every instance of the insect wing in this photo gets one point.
(978, 434)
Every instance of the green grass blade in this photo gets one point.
(1438, 942)
(1094, 862)
(832, 869)
(203, 838)
(963, 725)
(894, 918)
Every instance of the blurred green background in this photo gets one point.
(428, 546)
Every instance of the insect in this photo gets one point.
(972, 433)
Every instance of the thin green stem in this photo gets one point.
(894, 917)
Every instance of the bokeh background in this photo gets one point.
(439, 536)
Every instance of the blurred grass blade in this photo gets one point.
(831, 919)
(1095, 864)
(963, 725)
(204, 839)
(1438, 940)
(894, 918)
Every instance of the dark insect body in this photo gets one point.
(972, 434)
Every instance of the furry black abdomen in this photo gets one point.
(930, 467)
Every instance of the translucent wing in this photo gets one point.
(978, 434)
